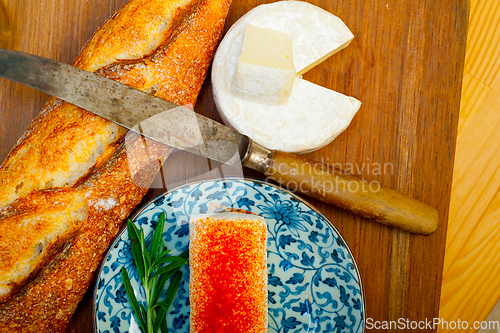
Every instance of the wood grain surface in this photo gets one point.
(405, 65)
(471, 273)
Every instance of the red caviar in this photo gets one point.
(228, 281)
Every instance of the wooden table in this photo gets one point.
(405, 64)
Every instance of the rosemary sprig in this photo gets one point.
(154, 275)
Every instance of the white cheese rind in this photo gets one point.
(312, 116)
(286, 127)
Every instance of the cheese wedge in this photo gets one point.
(312, 116)
(264, 72)
(228, 273)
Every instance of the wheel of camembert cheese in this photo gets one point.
(251, 84)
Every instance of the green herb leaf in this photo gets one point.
(133, 234)
(163, 325)
(154, 276)
(157, 240)
(144, 315)
(160, 317)
(172, 289)
(131, 296)
(162, 281)
(184, 255)
(168, 268)
(146, 259)
(161, 255)
(169, 259)
(169, 298)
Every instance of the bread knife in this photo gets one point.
(182, 128)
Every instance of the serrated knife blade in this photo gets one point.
(151, 116)
(184, 129)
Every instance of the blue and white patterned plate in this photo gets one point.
(314, 284)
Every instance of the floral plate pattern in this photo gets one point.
(314, 284)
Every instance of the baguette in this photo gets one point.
(73, 177)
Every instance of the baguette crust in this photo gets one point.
(47, 303)
(71, 154)
(53, 217)
(172, 72)
(64, 141)
(133, 32)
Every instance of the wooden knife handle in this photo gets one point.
(349, 192)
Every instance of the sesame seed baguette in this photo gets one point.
(48, 301)
(64, 141)
(93, 169)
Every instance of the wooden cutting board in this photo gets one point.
(405, 65)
